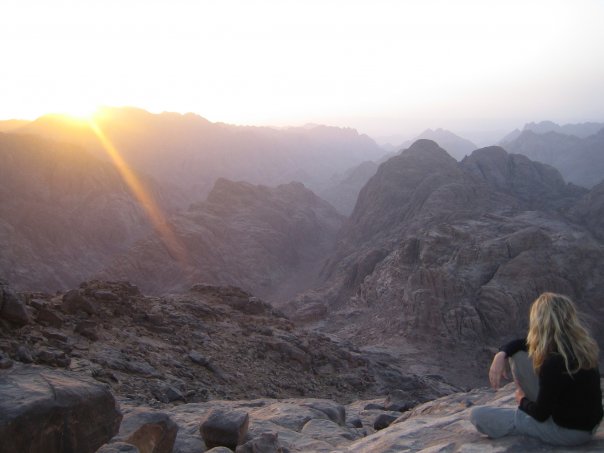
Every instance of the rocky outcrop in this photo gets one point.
(210, 342)
(54, 411)
(439, 254)
(269, 241)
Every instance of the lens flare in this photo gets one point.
(174, 247)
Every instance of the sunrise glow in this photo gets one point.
(155, 214)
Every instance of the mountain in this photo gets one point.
(579, 160)
(64, 213)
(268, 241)
(455, 145)
(345, 188)
(440, 255)
(192, 152)
(10, 125)
(581, 130)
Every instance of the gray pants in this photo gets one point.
(499, 421)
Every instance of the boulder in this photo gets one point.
(150, 431)
(12, 307)
(49, 317)
(226, 428)
(266, 443)
(383, 421)
(77, 414)
(73, 301)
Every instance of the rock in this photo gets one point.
(399, 400)
(335, 412)
(443, 425)
(224, 428)
(167, 393)
(5, 362)
(150, 431)
(73, 301)
(49, 317)
(219, 450)
(87, 329)
(328, 431)
(78, 414)
(266, 443)
(23, 354)
(383, 421)
(199, 359)
(118, 447)
(105, 295)
(12, 307)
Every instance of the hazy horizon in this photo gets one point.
(386, 68)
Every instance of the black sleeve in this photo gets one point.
(550, 384)
(514, 346)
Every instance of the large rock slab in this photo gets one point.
(443, 425)
(53, 411)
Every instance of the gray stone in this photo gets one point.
(77, 414)
(23, 354)
(87, 329)
(226, 428)
(118, 447)
(336, 412)
(266, 443)
(73, 301)
(49, 317)
(150, 431)
(105, 295)
(383, 421)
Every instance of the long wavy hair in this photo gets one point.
(554, 328)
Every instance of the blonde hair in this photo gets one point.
(554, 327)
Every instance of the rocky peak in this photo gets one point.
(400, 188)
(517, 175)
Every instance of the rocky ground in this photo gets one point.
(211, 342)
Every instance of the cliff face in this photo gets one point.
(440, 251)
(266, 240)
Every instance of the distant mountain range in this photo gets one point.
(581, 130)
(579, 158)
(192, 153)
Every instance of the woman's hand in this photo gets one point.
(498, 369)
(519, 394)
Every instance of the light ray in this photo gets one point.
(173, 245)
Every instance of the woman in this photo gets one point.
(557, 382)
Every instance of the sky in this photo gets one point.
(384, 67)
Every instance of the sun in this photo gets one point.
(83, 112)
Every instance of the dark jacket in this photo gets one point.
(573, 400)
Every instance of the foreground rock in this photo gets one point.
(208, 343)
(443, 426)
(50, 411)
(314, 426)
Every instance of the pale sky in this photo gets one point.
(382, 66)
